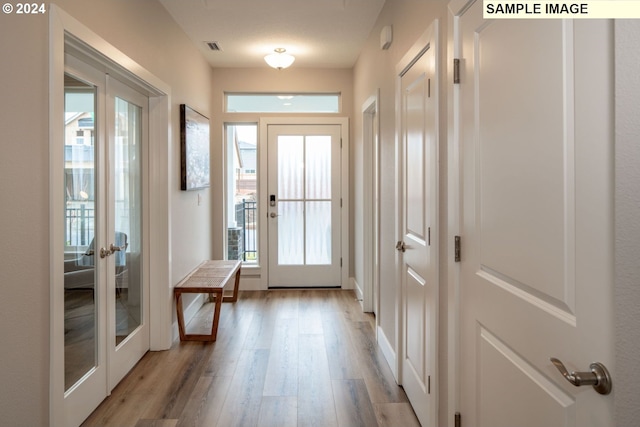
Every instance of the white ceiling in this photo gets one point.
(319, 33)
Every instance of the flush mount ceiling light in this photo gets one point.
(280, 59)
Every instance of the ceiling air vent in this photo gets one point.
(214, 46)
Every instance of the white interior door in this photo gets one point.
(304, 186)
(85, 312)
(418, 247)
(537, 247)
(106, 327)
(128, 290)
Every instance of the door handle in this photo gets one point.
(273, 215)
(104, 252)
(598, 377)
(113, 248)
(401, 246)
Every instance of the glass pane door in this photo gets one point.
(304, 205)
(105, 291)
(127, 217)
(127, 299)
(80, 309)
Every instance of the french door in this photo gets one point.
(106, 327)
(304, 186)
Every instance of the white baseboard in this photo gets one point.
(357, 289)
(251, 283)
(388, 352)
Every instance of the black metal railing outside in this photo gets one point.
(249, 222)
(79, 225)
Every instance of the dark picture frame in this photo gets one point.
(194, 149)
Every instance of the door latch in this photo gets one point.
(598, 377)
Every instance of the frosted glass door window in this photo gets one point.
(318, 233)
(318, 167)
(304, 187)
(291, 167)
(291, 233)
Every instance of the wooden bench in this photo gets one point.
(210, 277)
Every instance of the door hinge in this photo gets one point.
(457, 420)
(456, 71)
(340, 142)
(456, 250)
(429, 88)
(429, 384)
(340, 262)
(429, 236)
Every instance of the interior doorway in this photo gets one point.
(371, 206)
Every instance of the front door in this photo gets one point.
(536, 272)
(304, 205)
(418, 222)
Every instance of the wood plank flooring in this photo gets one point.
(282, 358)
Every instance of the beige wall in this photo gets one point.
(143, 30)
(24, 196)
(627, 207)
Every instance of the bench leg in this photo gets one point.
(180, 316)
(236, 285)
(216, 317)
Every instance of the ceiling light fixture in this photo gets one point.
(280, 59)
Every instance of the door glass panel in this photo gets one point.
(304, 208)
(80, 310)
(318, 167)
(128, 218)
(291, 233)
(290, 166)
(318, 236)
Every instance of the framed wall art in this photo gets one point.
(194, 149)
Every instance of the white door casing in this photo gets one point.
(371, 206)
(536, 169)
(418, 207)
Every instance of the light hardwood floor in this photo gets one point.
(282, 358)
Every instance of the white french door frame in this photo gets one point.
(263, 197)
(66, 34)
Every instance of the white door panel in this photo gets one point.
(536, 271)
(418, 136)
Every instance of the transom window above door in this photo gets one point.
(282, 102)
